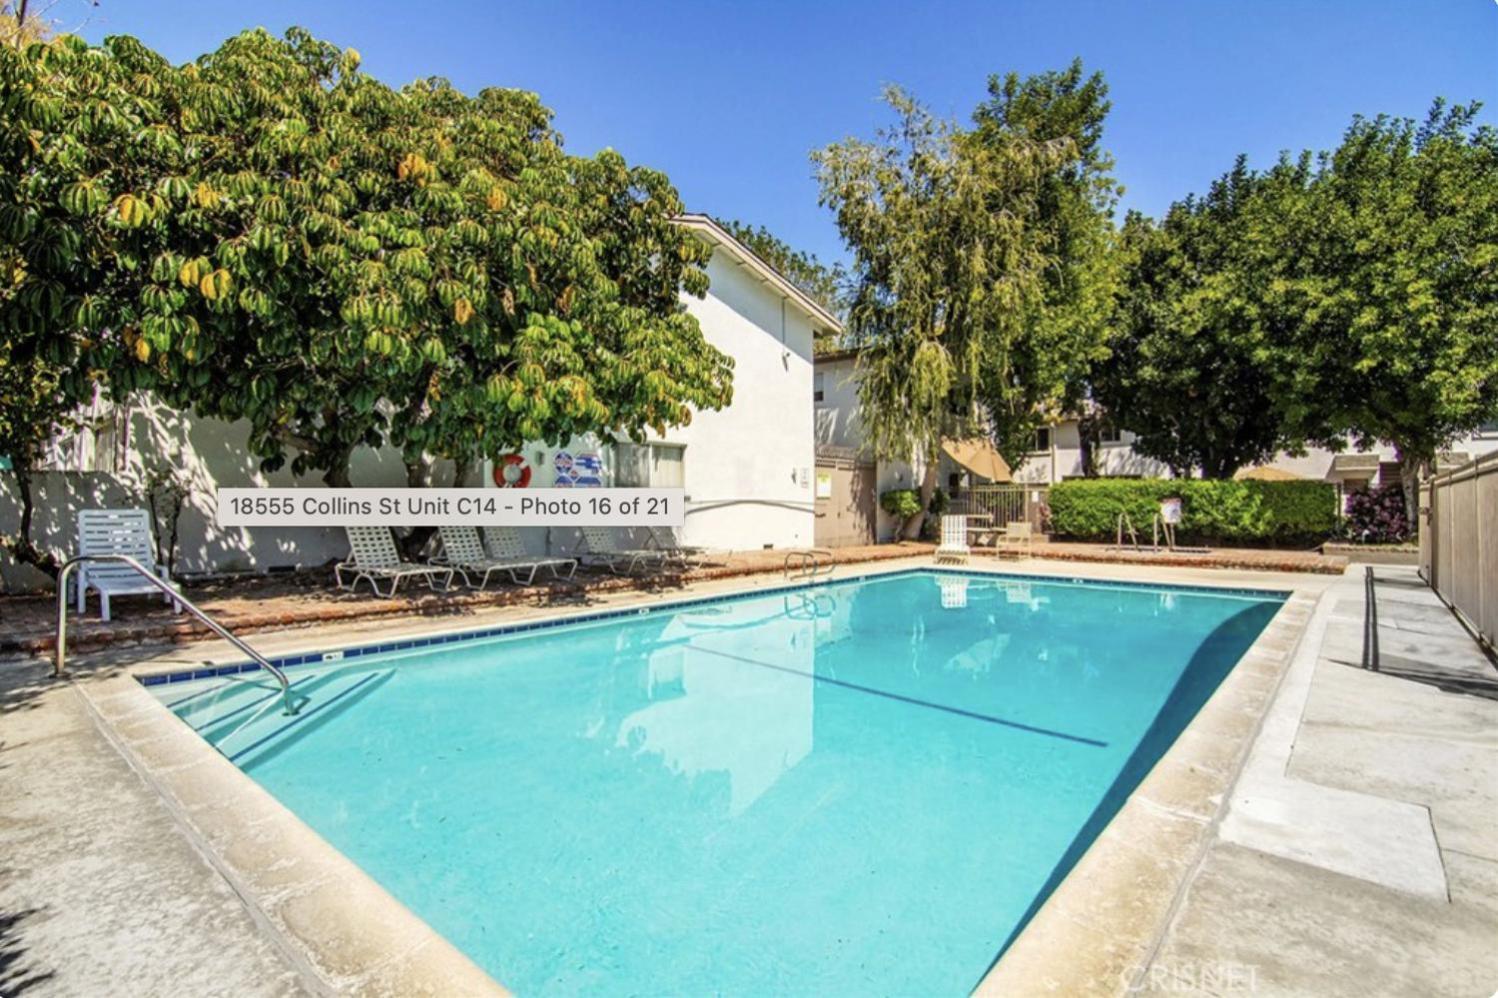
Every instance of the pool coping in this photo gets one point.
(345, 933)
(1098, 931)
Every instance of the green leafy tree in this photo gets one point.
(269, 234)
(84, 143)
(827, 284)
(1193, 373)
(421, 268)
(950, 256)
(1074, 214)
(1388, 288)
(344, 265)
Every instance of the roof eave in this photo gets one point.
(715, 235)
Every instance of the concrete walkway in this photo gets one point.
(1359, 853)
(100, 892)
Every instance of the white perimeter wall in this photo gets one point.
(210, 454)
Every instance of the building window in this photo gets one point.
(818, 382)
(1043, 439)
(1488, 429)
(650, 466)
(1109, 434)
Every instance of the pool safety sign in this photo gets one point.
(397, 507)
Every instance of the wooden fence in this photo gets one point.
(1459, 542)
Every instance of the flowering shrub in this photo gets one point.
(1376, 516)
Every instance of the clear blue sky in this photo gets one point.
(729, 99)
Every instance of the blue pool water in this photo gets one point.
(853, 788)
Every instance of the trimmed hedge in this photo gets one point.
(1236, 512)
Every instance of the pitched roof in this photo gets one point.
(718, 237)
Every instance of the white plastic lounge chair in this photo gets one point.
(372, 556)
(505, 545)
(117, 531)
(463, 549)
(599, 547)
(953, 540)
(663, 539)
(1017, 537)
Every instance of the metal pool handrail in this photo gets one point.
(149, 576)
(809, 563)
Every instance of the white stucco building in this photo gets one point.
(849, 475)
(1057, 456)
(747, 470)
(1056, 452)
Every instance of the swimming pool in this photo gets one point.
(866, 785)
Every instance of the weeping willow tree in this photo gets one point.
(952, 265)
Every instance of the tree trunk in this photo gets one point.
(1219, 466)
(337, 475)
(1412, 467)
(418, 476)
(419, 473)
(20, 546)
(912, 529)
(1087, 446)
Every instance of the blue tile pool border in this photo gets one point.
(502, 630)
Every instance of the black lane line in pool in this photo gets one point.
(1079, 739)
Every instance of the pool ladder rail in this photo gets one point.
(806, 563)
(808, 606)
(60, 658)
(1159, 527)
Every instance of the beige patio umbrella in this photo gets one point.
(1264, 473)
(978, 456)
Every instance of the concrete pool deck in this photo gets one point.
(87, 933)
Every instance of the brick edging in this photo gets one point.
(437, 605)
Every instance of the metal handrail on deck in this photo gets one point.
(176, 597)
(810, 563)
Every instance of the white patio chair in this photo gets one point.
(1018, 536)
(953, 545)
(117, 531)
(373, 556)
(599, 547)
(505, 545)
(664, 539)
(463, 550)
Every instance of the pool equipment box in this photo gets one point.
(406, 507)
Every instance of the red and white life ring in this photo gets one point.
(521, 473)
